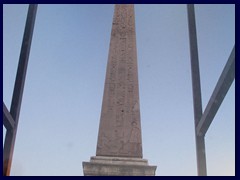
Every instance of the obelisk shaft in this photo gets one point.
(120, 128)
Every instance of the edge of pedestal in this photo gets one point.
(117, 166)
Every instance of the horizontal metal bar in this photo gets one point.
(7, 118)
(218, 94)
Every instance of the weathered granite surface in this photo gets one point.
(118, 166)
(120, 129)
(119, 146)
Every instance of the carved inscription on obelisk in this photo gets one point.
(120, 128)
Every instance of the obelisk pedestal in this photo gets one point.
(119, 146)
(117, 166)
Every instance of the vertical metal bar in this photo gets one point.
(196, 88)
(18, 88)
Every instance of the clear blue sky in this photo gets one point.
(61, 106)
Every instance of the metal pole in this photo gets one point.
(8, 121)
(18, 89)
(196, 88)
(218, 95)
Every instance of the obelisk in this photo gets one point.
(119, 146)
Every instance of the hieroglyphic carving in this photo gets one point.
(120, 130)
(123, 16)
(111, 96)
(135, 138)
(103, 142)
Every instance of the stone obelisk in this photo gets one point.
(119, 146)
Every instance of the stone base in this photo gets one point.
(117, 166)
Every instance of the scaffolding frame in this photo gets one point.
(11, 118)
(202, 120)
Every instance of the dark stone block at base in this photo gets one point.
(115, 166)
